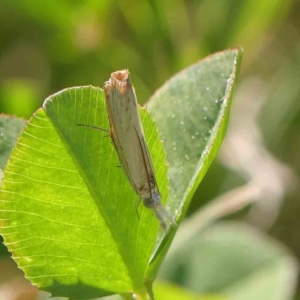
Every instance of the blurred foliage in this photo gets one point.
(48, 46)
(58, 44)
(167, 291)
(234, 258)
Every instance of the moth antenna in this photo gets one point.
(93, 127)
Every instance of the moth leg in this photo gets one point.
(137, 208)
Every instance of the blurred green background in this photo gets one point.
(46, 46)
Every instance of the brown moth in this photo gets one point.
(129, 141)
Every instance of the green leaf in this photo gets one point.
(191, 112)
(10, 129)
(68, 213)
(236, 261)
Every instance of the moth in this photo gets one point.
(129, 141)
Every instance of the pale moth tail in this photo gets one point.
(164, 216)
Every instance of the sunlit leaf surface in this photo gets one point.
(68, 214)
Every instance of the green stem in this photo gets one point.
(139, 295)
